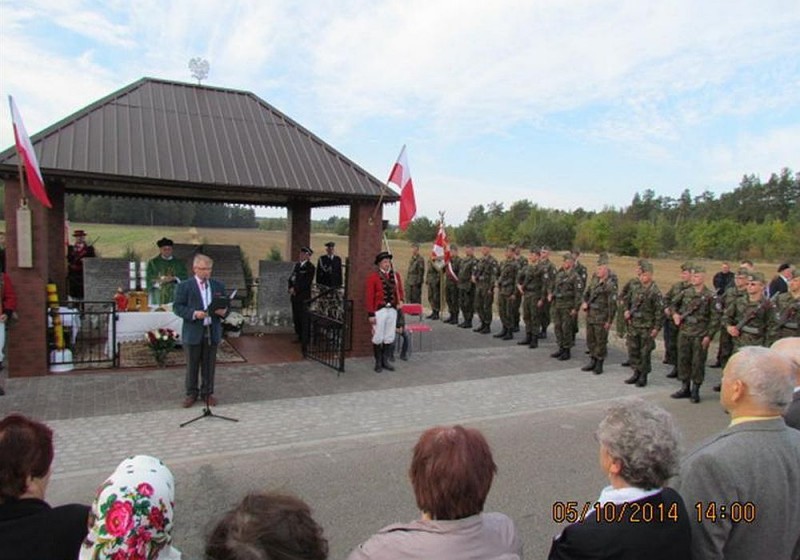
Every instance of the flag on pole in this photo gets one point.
(441, 249)
(401, 176)
(28, 156)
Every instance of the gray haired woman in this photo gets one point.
(636, 516)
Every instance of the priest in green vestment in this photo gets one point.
(163, 274)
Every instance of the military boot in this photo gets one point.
(377, 349)
(502, 333)
(557, 353)
(534, 342)
(543, 334)
(642, 382)
(695, 393)
(598, 367)
(387, 351)
(590, 366)
(479, 328)
(683, 392)
(565, 355)
(486, 329)
(633, 378)
(509, 334)
(526, 340)
(467, 324)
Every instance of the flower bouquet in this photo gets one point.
(161, 342)
(232, 324)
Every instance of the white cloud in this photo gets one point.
(761, 154)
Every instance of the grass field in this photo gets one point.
(117, 240)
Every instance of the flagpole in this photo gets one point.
(442, 276)
(384, 189)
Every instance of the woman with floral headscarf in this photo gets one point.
(131, 516)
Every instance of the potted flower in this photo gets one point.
(232, 324)
(161, 342)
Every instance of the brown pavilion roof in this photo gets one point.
(163, 139)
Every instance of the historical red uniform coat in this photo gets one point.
(378, 284)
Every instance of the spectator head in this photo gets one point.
(790, 347)
(757, 381)
(451, 472)
(265, 526)
(26, 453)
(132, 514)
(785, 270)
(726, 268)
(639, 443)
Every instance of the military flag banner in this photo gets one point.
(28, 156)
(401, 176)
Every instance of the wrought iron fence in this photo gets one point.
(327, 328)
(81, 335)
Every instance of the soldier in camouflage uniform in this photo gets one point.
(415, 275)
(697, 321)
(583, 274)
(548, 273)
(642, 313)
(435, 271)
(484, 278)
(600, 305)
(507, 293)
(451, 285)
(729, 297)
(786, 322)
(670, 330)
(523, 262)
(623, 303)
(530, 290)
(749, 320)
(565, 299)
(466, 289)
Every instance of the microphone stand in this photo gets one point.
(207, 408)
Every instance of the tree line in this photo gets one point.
(757, 220)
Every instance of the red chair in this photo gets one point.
(418, 327)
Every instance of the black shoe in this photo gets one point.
(590, 365)
(673, 374)
(2, 391)
(683, 392)
(534, 342)
(502, 333)
(565, 355)
(642, 382)
(598, 367)
(626, 363)
(717, 388)
(695, 393)
(509, 335)
(557, 353)
(633, 378)
(716, 365)
(485, 330)
(387, 351)
(526, 340)
(466, 325)
(377, 349)
(435, 316)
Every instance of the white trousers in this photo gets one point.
(383, 330)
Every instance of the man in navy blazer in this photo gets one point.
(202, 328)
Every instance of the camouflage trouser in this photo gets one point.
(691, 358)
(434, 297)
(466, 302)
(415, 293)
(670, 342)
(545, 314)
(531, 314)
(640, 348)
(505, 306)
(597, 340)
(725, 350)
(622, 324)
(517, 308)
(746, 339)
(451, 293)
(563, 322)
(484, 298)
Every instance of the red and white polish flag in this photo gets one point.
(28, 155)
(401, 176)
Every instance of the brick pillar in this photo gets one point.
(365, 242)
(26, 342)
(298, 232)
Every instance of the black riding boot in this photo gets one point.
(683, 392)
(377, 349)
(387, 350)
(590, 365)
(633, 378)
(598, 367)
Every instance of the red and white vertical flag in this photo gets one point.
(401, 176)
(441, 249)
(28, 156)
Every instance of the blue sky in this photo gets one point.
(567, 103)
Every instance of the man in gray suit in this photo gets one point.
(743, 484)
(200, 302)
(790, 347)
